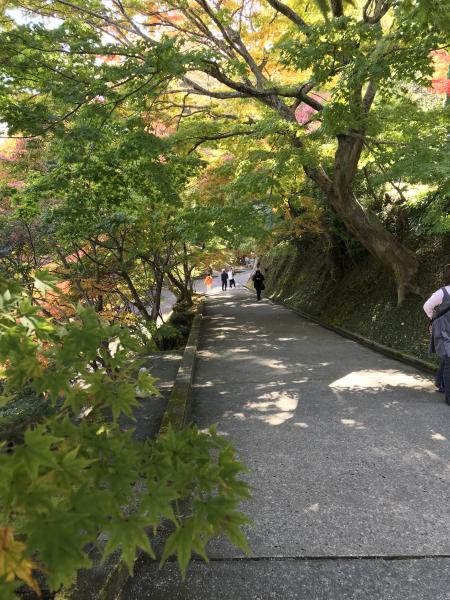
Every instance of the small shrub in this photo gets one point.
(168, 337)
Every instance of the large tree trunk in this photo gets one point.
(367, 228)
(363, 223)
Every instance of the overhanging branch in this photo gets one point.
(216, 136)
(198, 89)
(290, 14)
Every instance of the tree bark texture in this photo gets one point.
(135, 295)
(156, 294)
(363, 223)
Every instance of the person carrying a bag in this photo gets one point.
(258, 282)
(437, 308)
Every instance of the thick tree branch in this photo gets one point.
(379, 8)
(337, 8)
(290, 14)
(369, 96)
(320, 177)
(217, 136)
(248, 90)
(198, 89)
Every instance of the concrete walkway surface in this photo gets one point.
(349, 459)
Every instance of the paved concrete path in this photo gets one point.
(349, 455)
(168, 299)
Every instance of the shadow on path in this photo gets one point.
(349, 457)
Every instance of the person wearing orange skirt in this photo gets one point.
(208, 282)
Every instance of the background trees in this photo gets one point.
(109, 200)
(145, 141)
(249, 71)
(100, 199)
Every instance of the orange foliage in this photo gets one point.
(441, 62)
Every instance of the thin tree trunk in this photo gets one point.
(136, 298)
(183, 293)
(187, 272)
(181, 279)
(156, 296)
(368, 229)
(99, 304)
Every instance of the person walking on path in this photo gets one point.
(231, 277)
(224, 278)
(208, 282)
(258, 282)
(437, 308)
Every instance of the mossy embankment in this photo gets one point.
(362, 298)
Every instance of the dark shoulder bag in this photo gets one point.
(438, 316)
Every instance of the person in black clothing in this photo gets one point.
(224, 278)
(258, 282)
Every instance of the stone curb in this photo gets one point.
(105, 581)
(178, 408)
(403, 357)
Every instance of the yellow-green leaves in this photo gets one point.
(14, 564)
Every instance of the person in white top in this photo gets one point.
(435, 300)
(437, 308)
(231, 280)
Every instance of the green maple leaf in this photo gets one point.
(158, 501)
(128, 534)
(123, 400)
(55, 381)
(180, 543)
(59, 541)
(186, 539)
(72, 467)
(21, 371)
(37, 450)
(232, 528)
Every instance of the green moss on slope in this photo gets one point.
(363, 300)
